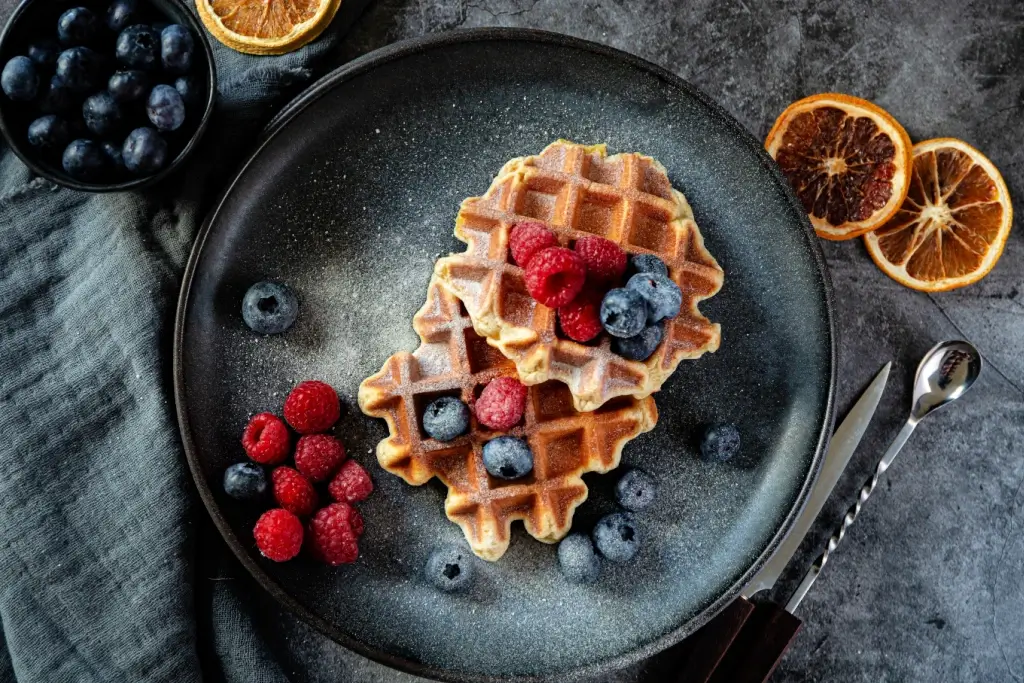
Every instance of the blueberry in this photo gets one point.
(446, 418)
(113, 153)
(121, 14)
(646, 263)
(623, 312)
(44, 52)
(84, 159)
(616, 537)
(128, 86)
(720, 442)
(507, 457)
(165, 108)
(245, 481)
(577, 559)
(640, 346)
(49, 132)
(56, 98)
(138, 46)
(101, 113)
(188, 89)
(77, 26)
(176, 46)
(20, 79)
(269, 307)
(449, 569)
(79, 69)
(662, 295)
(144, 151)
(635, 490)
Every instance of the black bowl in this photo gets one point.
(36, 20)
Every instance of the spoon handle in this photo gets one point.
(851, 515)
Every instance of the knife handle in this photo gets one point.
(759, 647)
(701, 653)
(743, 644)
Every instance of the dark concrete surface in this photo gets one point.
(929, 584)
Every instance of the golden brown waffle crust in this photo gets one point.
(453, 360)
(578, 190)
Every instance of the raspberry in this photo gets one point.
(334, 534)
(318, 456)
(526, 239)
(606, 261)
(351, 484)
(278, 535)
(581, 318)
(293, 492)
(555, 276)
(312, 407)
(501, 404)
(265, 439)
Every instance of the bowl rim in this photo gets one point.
(359, 67)
(64, 180)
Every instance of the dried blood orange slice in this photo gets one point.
(953, 225)
(266, 27)
(847, 159)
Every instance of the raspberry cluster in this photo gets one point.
(333, 530)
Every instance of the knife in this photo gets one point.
(745, 642)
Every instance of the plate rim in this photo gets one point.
(358, 67)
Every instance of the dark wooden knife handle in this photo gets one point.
(743, 644)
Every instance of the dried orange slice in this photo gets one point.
(952, 226)
(266, 27)
(847, 159)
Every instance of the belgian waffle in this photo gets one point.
(577, 190)
(453, 360)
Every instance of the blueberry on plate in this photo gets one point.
(101, 113)
(113, 154)
(616, 537)
(269, 307)
(507, 457)
(144, 151)
(641, 346)
(122, 14)
(446, 418)
(44, 52)
(188, 89)
(720, 442)
(56, 97)
(449, 569)
(20, 79)
(578, 560)
(84, 159)
(77, 26)
(635, 490)
(646, 263)
(165, 108)
(662, 295)
(623, 312)
(49, 132)
(79, 69)
(176, 46)
(245, 481)
(138, 46)
(128, 86)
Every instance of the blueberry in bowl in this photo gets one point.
(105, 95)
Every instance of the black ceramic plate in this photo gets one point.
(352, 196)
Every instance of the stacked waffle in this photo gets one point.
(584, 402)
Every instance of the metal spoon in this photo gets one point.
(944, 375)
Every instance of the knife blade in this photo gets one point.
(844, 443)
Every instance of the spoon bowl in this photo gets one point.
(945, 374)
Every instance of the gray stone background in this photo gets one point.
(928, 585)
